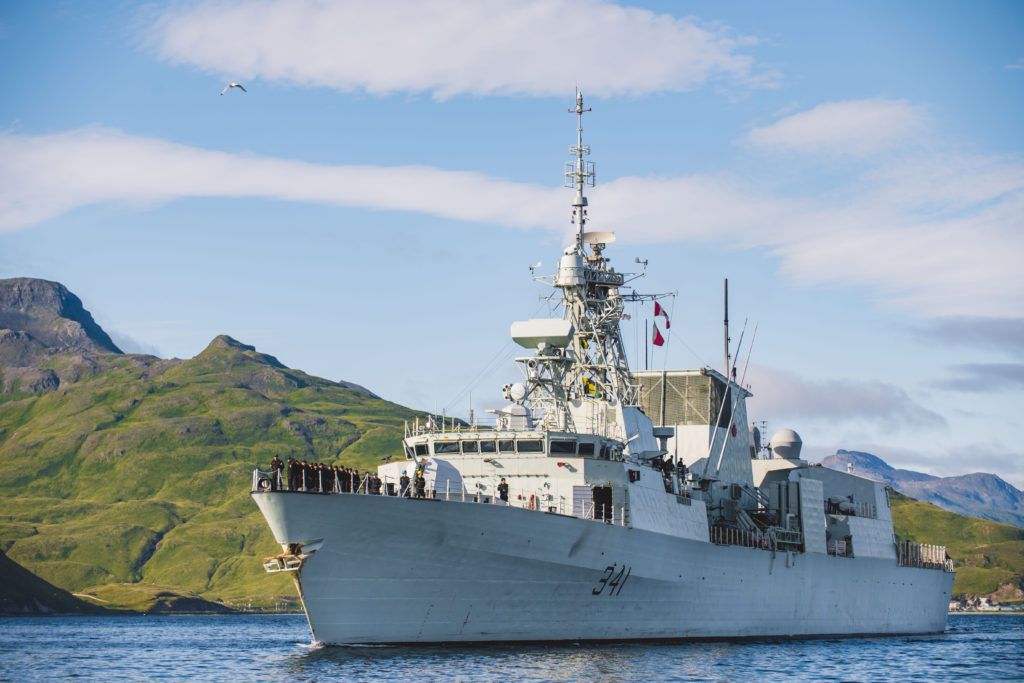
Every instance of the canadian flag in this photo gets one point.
(658, 339)
(658, 310)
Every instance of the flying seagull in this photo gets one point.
(229, 86)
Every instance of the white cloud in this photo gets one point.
(44, 176)
(855, 127)
(839, 402)
(448, 47)
(984, 377)
(936, 243)
(1019, 64)
(1000, 334)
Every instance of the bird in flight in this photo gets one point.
(229, 86)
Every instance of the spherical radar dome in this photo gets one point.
(786, 444)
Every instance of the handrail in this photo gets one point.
(524, 499)
(923, 555)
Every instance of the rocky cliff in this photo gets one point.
(46, 337)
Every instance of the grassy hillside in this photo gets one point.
(134, 474)
(987, 555)
(140, 472)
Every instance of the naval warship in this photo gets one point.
(601, 504)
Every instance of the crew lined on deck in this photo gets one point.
(318, 477)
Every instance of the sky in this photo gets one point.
(368, 209)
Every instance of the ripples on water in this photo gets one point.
(273, 648)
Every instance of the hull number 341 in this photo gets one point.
(613, 580)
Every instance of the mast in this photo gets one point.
(592, 365)
(727, 375)
(581, 172)
(590, 294)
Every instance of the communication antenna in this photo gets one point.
(579, 173)
(728, 376)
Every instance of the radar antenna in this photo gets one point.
(580, 172)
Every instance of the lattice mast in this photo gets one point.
(590, 294)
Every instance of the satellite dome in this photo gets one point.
(786, 444)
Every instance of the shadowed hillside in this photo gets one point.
(22, 592)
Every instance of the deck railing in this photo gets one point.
(923, 555)
(263, 481)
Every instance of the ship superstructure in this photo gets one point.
(601, 504)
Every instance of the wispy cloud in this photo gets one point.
(1016, 66)
(855, 128)
(984, 378)
(841, 402)
(938, 262)
(44, 176)
(449, 47)
(999, 334)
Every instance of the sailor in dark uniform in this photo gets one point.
(403, 485)
(276, 465)
(503, 490)
(293, 474)
(421, 486)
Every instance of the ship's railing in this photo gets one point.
(264, 481)
(748, 539)
(267, 481)
(837, 548)
(923, 555)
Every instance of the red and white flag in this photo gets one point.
(658, 310)
(658, 339)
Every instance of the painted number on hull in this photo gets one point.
(614, 579)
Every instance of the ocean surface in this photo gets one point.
(277, 648)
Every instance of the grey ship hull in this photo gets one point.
(393, 570)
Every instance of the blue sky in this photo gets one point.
(368, 209)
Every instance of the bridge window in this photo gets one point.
(421, 449)
(446, 447)
(507, 446)
(487, 447)
(531, 446)
(562, 447)
(469, 446)
(587, 448)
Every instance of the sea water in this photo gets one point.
(278, 648)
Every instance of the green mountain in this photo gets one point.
(122, 475)
(988, 556)
(976, 495)
(129, 468)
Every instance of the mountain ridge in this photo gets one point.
(132, 470)
(128, 468)
(978, 494)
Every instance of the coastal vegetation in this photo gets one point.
(140, 470)
(125, 478)
(988, 556)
